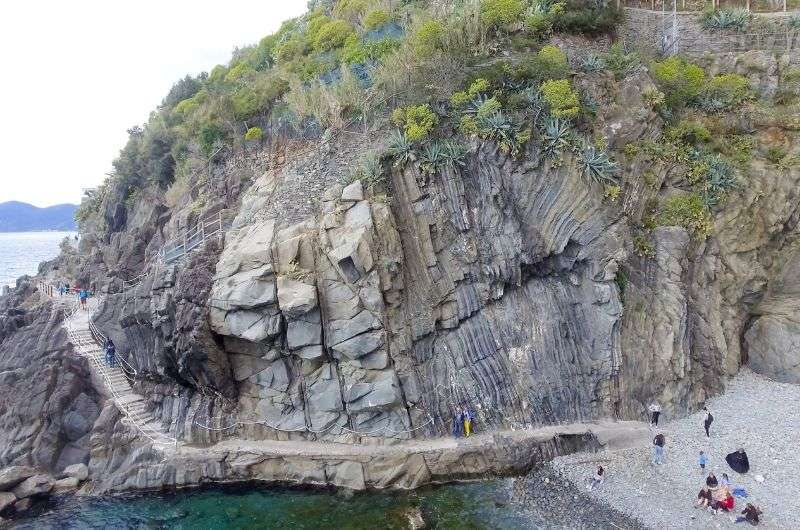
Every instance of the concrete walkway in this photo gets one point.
(131, 404)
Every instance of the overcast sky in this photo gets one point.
(78, 74)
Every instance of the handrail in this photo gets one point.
(156, 437)
(102, 339)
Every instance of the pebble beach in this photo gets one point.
(760, 415)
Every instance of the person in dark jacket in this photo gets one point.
(707, 422)
(751, 513)
(658, 449)
(111, 353)
(738, 461)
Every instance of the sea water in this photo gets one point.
(459, 506)
(21, 252)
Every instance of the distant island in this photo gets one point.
(23, 217)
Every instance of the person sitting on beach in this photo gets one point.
(711, 481)
(751, 513)
(721, 499)
(703, 498)
(597, 479)
(725, 480)
(738, 461)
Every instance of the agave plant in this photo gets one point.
(433, 158)
(593, 63)
(455, 153)
(475, 105)
(719, 179)
(556, 136)
(400, 148)
(736, 19)
(596, 165)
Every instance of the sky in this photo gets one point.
(78, 74)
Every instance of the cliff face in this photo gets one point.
(511, 285)
(48, 405)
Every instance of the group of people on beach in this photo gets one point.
(463, 422)
(717, 495)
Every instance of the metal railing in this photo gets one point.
(158, 438)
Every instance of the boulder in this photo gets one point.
(295, 298)
(11, 476)
(65, 485)
(23, 505)
(35, 485)
(6, 499)
(78, 471)
(380, 395)
(353, 192)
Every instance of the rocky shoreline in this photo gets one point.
(21, 487)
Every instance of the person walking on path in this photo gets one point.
(707, 423)
(111, 353)
(83, 295)
(658, 449)
(655, 412)
(702, 460)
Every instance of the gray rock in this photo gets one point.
(295, 297)
(23, 505)
(78, 471)
(353, 192)
(6, 500)
(35, 485)
(382, 394)
(65, 485)
(11, 476)
(360, 345)
(341, 330)
(310, 353)
(301, 333)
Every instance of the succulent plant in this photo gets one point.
(726, 19)
(596, 165)
(593, 63)
(433, 158)
(556, 136)
(400, 148)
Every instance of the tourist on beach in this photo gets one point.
(111, 353)
(655, 412)
(751, 513)
(725, 480)
(703, 498)
(738, 461)
(722, 499)
(658, 449)
(597, 479)
(711, 481)
(702, 460)
(707, 423)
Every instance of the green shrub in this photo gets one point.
(776, 154)
(689, 131)
(210, 134)
(254, 133)
(417, 121)
(643, 247)
(621, 62)
(376, 18)
(427, 39)
(552, 63)
(291, 49)
(332, 35)
(496, 13)
(681, 81)
(561, 98)
(350, 9)
(539, 24)
(488, 107)
(588, 21)
(725, 91)
(239, 72)
(688, 211)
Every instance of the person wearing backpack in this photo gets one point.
(658, 449)
(707, 423)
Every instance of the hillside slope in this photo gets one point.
(23, 217)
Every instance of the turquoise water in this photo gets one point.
(462, 506)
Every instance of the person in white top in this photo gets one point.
(597, 479)
(655, 412)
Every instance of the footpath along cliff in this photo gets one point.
(541, 259)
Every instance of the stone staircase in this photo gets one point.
(132, 405)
